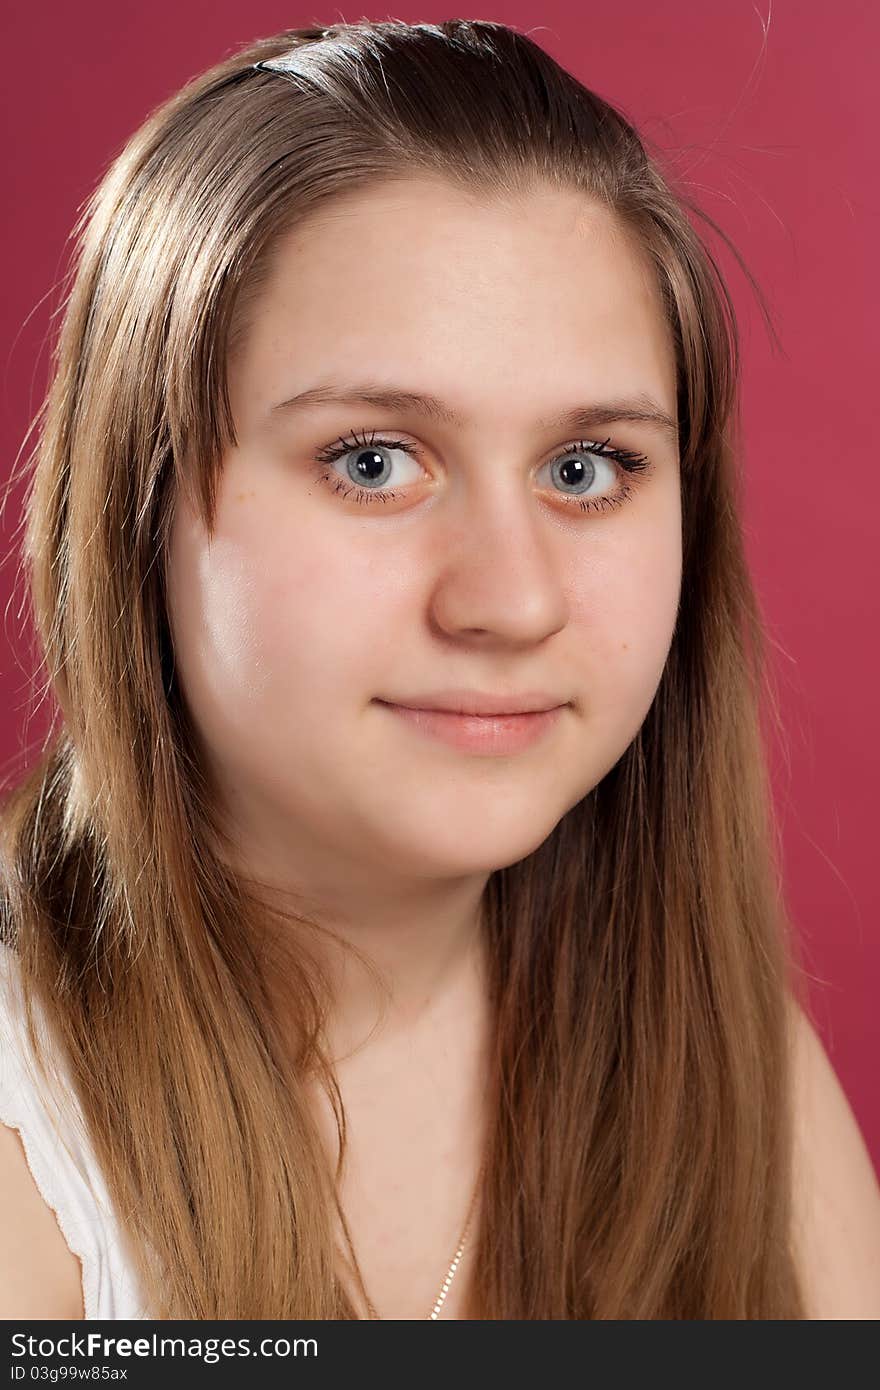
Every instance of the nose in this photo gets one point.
(500, 568)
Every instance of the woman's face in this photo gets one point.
(483, 572)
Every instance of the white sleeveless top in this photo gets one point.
(62, 1162)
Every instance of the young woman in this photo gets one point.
(393, 904)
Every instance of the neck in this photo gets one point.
(400, 959)
(430, 979)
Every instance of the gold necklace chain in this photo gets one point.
(450, 1273)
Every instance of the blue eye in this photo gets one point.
(372, 467)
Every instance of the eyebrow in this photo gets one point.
(637, 409)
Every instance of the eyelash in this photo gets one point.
(627, 459)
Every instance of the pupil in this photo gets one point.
(573, 470)
(376, 461)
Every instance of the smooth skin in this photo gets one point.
(305, 607)
(39, 1276)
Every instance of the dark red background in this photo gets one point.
(774, 126)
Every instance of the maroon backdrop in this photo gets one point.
(772, 127)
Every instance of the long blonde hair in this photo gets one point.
(641, 959)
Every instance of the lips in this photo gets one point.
(486, 734)
(481, 703)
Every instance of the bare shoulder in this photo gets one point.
(835, 1188)
(40, 1277)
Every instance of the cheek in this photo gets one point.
(624, 609)
(322, 624)
(269, 622)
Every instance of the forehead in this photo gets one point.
(535, 298)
